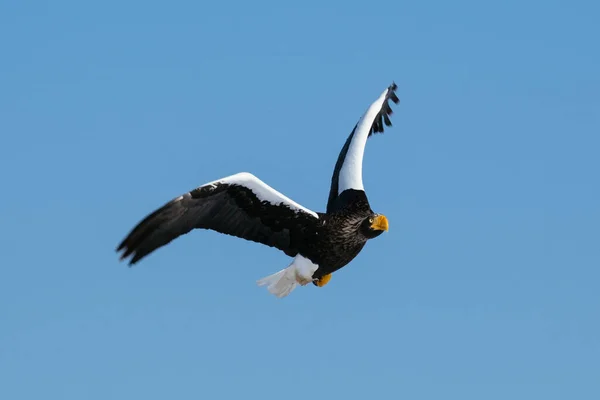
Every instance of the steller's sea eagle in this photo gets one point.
(242, 205)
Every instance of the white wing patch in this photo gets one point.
(263, 191)
(351, 172)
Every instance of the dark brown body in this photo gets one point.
(340, 235)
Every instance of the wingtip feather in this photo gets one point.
(392, 93)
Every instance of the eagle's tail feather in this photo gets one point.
(299, 272)
(280, 283)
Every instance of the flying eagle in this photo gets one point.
(242, 205)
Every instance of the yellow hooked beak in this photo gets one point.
(380, 223)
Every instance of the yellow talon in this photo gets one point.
(323, 280)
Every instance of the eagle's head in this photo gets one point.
(374, 225)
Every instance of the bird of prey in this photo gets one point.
(242, 205)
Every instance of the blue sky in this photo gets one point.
(486, 285)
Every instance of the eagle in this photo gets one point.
(242, 205)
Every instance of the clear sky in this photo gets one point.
(485, 287)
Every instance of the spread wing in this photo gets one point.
(239, 205)
(348, 168)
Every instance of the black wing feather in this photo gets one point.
(230, 209)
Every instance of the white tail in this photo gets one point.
(281, 283)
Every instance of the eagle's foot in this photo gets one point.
(322, 281)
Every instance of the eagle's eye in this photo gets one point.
(370, 220)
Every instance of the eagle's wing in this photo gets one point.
(348, 168)
(239, 205)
